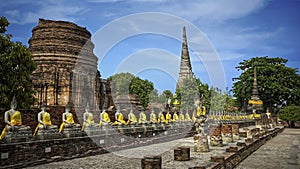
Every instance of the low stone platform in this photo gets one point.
(229, 155)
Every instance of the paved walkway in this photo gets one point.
(281, 152)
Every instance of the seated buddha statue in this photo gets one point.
(104, 119)
(181, 116)
(44, 120)
(153, 118)
(187, 116)
(67, 120)
(168, 118)
(175, 117)
(132, 120)
(13, 120)
(143, 118)
(119, 118)
(88, 118)
(161, 118)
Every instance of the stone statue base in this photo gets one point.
(47, 133)
(72, 132)
(201, 143)
(91, 130)
(18, 134)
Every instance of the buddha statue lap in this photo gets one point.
(14, 128)
(88, 119)
(68, 121)
(104, 119)
(132, 120)
(44, 125)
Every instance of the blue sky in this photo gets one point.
(144, 36)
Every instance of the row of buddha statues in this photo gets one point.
(13, 119)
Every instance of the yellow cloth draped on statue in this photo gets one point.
(120, 119)
(161, 118)
(15, 119)
(175, 117)
(69, 119)
(168, 118)
(153, 118)
(187, 117)
(181, 117)
(204, 111)
(105, 118)
(193, 117)
(199, 111)
(46, 119)
(132, 118)
(143, 118)
(90, 120)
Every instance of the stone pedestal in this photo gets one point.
(235, 131)
(227, 133)
(18, 134)
(92, 130)
(151, 162)
(201, 143)
(182, 154)
(47, 133)
(216, 136)
(232, 149)
(72, 132)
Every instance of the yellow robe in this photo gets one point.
(161, 118)
(69, 119)
(187, 117)
(193, 117)
(132, 118)
(168, 118)
(105, 118)
(120, 119)
(199, 111)
(153, 118)
(175, 117)
(46, 120)
(181, 117)
(90, 120)
(15, 119)
(204, 111)
(143, 118)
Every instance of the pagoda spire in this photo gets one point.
(254, 95)
(185, 64)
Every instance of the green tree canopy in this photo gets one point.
(126, 83)
(290, 114)
(15, 70)
(277, 83)
(193, 89)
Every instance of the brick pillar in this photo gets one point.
(227, 133)
(235, 131)
(216, 136)
(151, 162)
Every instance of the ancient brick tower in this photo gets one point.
(66, 65)
(255, 103)
(185, 64)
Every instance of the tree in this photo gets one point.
(126, 83)
(191, 90)
(277, 83)
(15, 70)
(142, 88)
(291, 114)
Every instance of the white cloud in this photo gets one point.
(61, 10)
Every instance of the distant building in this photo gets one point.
(185, 64)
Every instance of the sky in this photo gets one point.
(144, 37)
